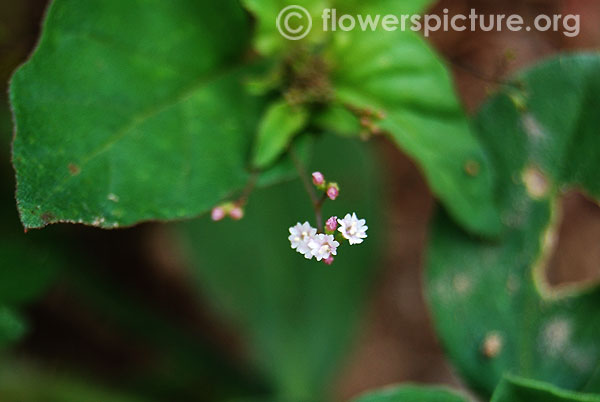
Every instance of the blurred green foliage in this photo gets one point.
(279, 126)
(121, 122)
(298, 316)
(102, 100)
(510, 389)
(511, 321)
(411, 393)
(397, 75)
(25, 383)
(515, 389)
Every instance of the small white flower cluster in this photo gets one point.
(323, 246)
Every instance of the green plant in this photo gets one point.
(181, 113)
(179, 96)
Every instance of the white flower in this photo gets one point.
(300, 236)
(353, 229)
(323, 246)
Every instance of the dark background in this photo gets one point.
(396, 343)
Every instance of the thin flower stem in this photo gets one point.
(318, 206)
(248, 188)
(315, 201)
(304, 176)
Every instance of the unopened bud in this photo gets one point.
(217, 213)
(318, 178)
(333, 191)
(236, 213)
(331, 224)
(328, 260)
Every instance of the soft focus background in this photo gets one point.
(130, 297)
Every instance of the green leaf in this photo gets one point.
(339, 120)
(131, 111)
(413, 393)
(285, 169)
(511, 321)
(510, 389)
(277, 129)
(381, 7)
(298, 315)
(267, 39)
(397, 75)
(515, 389)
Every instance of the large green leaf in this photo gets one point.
(412, 393)
(130, 111)
(514, 389)
(397, 75)
(298, 315)
(491, 305)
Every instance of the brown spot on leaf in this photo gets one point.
(461, 283)
(492, 345)
(48, 217)
(532, 126)
(472, 168)
(536, 182)
(556, 335)
(74, 169)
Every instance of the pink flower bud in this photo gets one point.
(333, 191)
(328, 260)
(217, 214)
(331, 224)
(236, 213)
(318, 178)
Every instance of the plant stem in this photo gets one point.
(319, 213)
(248, 188)
(316, 202)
